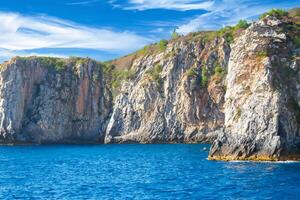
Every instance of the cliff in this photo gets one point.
(263, 94)
(49, 100)
(169, 98)
(237, 88)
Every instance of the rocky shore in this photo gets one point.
(237, 88)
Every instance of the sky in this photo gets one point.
(107, 29)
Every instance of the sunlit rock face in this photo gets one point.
(262, 98)
(169, 100)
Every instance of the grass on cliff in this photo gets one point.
(279, 13)
(218, 69)
(152, 48)
(296, 41)
(192, 72)
(155, 76)
(58, 64)
(228, 32)
(163, 45)
(204, 76)
(154, 73)
(115, 76)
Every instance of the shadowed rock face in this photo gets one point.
(262, 98)
(175, 105)
(40, 104)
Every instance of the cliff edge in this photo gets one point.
(262, 113)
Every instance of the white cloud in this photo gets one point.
(229, 12)
(19, 32)
(83, 2)
(218, 12)
(165, 4)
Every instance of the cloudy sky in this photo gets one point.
(106, 29)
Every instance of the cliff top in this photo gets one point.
(228, 33)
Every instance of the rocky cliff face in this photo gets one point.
(242, 96)
(52, 101)
(170, 99)
(262, 97)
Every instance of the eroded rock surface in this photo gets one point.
(262, 98)
(169, 99)
(41, 104)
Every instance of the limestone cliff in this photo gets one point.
(263, 94)
(49, 100)
(169, 98)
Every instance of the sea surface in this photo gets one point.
(170, 171)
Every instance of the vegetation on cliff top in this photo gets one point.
(228, 32)
(279, 13)
(58, 64)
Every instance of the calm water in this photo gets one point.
(139, 172)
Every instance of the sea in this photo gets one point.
(139, 171)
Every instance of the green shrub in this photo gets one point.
(192, 72)
(262, 54)
(174, 35)
(218, 69)
(204, 76)
(154, 73)
(78, 60)
(162, 45)
(276, 13)
(229, 38)
(95, 77)
(242, 24)
(107, 68)
(296, 41)
(117, 76)
(57, 63)
(238, 113)
(227, 32)
(209, 36)
(226, 29)
(171, 54)
(144, 50)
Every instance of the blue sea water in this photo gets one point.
(174, 171)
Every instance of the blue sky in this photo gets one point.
(106, 29)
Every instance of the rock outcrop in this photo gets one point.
(243, 96)
(170, 99)
(263, 95)
(48, 100)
